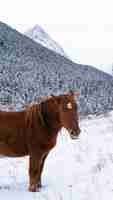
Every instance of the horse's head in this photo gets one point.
(61, 111)
(69, 114)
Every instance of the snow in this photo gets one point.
(29, 71)
(40, 36)
(75, 169)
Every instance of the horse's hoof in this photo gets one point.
(39, 185)
(32, 188)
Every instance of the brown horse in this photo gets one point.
(34, 131)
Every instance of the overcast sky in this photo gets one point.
(84, 28)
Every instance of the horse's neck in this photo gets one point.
(50, 119)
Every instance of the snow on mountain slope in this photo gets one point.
(81, 169)
(40, 36)
(29, 71)
(89, 56)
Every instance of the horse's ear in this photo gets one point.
(71, 92)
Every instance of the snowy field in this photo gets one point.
(75, 170)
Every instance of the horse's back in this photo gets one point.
(12, 118)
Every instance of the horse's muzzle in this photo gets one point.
(74, 134)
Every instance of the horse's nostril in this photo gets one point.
(74, 133)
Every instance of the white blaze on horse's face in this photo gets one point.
(69, 106)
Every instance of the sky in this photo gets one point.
(83, 28)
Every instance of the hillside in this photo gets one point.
(28, 71)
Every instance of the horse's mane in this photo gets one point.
(30, 114)
(39, 114)
(35, 112)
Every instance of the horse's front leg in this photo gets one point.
(41, 168)
(34, 173)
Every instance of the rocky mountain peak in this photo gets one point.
(38, 34)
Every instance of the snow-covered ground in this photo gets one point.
(75, 170)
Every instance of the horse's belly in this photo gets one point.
(11, 151)
(12, 143)
(5, 149)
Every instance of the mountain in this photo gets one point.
(107, 68)
(29, 71)
(40, 36)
